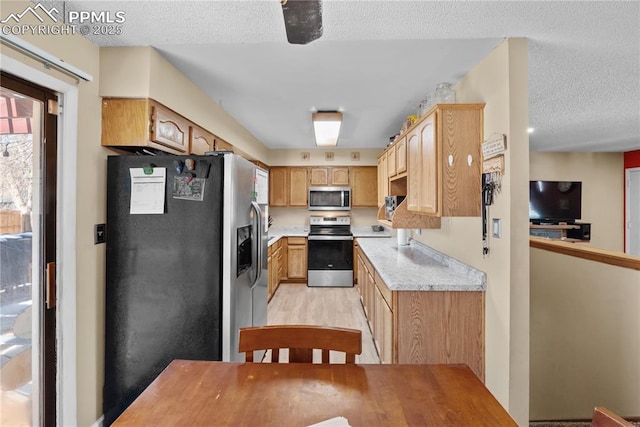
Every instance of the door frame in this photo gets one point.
(67, 401)
(627, 203)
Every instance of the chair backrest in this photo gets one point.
(300, 340)
(602, 417)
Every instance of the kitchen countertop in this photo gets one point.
(417, 267)
(276, 232)
(366, 231)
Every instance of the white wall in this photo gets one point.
(585, 337)
(602, 176)
(500, 81)
(142, 72)
(317, 157)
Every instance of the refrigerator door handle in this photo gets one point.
(258, 240)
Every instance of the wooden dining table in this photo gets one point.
(201, 393)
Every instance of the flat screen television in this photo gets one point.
(551, 202)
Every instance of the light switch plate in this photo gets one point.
(99, 233)
(496, 228)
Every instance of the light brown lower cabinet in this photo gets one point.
(273, 268)
(297, 258)
(423, 326)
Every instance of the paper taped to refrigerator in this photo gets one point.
(188, 188)
(147, 191)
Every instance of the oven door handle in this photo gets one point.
(330, 237)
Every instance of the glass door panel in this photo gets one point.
(20, 257)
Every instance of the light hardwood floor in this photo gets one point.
(295, 303)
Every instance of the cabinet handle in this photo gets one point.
(51, 285)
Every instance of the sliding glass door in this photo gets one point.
(28, 151)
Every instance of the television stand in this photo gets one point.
(575, 232)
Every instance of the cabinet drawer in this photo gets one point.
(297, 240)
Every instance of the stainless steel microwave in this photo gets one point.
(329, 198)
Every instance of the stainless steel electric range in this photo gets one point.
(330, 252)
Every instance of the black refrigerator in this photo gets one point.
(186, 265)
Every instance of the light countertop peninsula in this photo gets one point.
(417, 267)
(277, 232)
(367, 231)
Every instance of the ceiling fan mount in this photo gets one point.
(302, 20)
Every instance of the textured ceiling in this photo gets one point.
(377, 59)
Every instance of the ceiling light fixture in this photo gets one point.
(530, 130)
(326, 126)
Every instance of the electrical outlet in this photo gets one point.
(99, 235)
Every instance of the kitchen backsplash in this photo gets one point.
(298, 217)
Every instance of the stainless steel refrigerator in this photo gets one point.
(186, 264)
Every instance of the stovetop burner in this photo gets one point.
(330, 225)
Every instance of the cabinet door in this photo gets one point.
(377, 322)
(319, 176)
(423, 192)
(461, 162)
(282, 265)
(278, 186)
(298, 187)
(362, 270)
(370, 299)
(431, 190)
(169, 128)
(339, 176)
(383, 179)
(401, 156)
(391, 162)
(201, 140)
(364, 187)
(414, 170)
(386, 332)
(277, 269)
(297, 259)
(222, 145)
(125, 122)
(270, 276)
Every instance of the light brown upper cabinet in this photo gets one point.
(222, 145)
(391, 161)
(339, 176)
(201, 140)
(401, 156)
(318, 176)
(169, 128)
(298, 187)
(278, 186)
(383, 179)
(422, 194)
(364, 188)
(132, 123)
(329, 176)
(444, 161)
(397, 159)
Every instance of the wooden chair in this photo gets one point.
(602, 417)
(300, 340)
